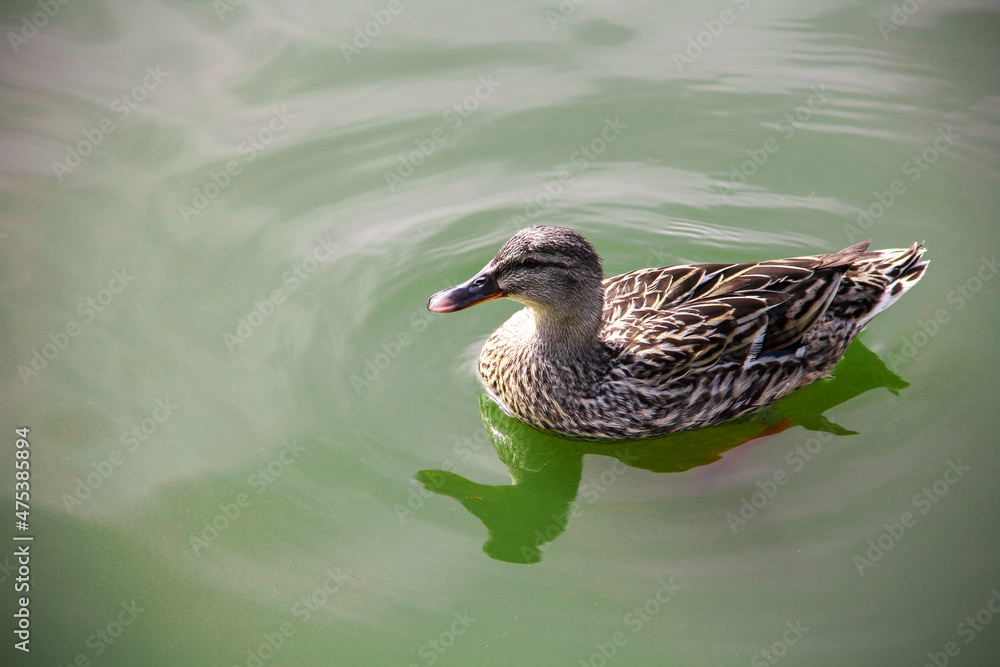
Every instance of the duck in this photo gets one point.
(661, 350)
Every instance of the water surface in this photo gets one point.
(251, 442)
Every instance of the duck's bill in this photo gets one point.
(481, 287)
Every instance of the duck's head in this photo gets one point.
(552, 269)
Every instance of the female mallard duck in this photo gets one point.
(660, 350)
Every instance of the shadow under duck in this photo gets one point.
(655, 351)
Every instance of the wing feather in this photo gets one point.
(680, 318)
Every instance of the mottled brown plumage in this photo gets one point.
(660, 350)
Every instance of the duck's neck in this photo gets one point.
(569, 332)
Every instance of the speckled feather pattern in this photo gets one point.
(688, 346)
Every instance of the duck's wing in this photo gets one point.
(680, 318)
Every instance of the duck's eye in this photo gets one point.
(529, 262)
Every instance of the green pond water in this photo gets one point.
(251, 444)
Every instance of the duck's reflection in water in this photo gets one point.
(546, 469)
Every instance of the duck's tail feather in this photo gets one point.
(888, 275)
